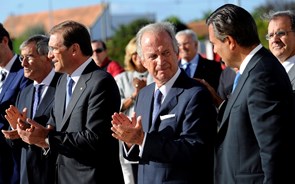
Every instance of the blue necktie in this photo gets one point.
(37, 97)
(157, 103)
(70, 83)
(188, 69)
(238, 75)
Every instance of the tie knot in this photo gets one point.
(158, 96)
(39, 87)
(2, 75)
(70, 86)
(188, 70)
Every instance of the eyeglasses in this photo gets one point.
(98, 50)
(58, 49)
(278, 34)
(28, 58)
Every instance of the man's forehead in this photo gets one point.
(55, 39)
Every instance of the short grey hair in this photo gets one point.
(286, 13)
(156, 28)
(41, 42)
(188, 32)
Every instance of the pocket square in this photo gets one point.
(167, 116)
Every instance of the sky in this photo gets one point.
(185, 10)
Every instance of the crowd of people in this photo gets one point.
(70, 114)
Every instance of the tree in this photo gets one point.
(116, 45)
(177, 23)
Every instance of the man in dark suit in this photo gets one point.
(192, 62)
(281, 33)
(10, 85)
(255, 141)
(35, 168)
(87, 152)
(176, 146)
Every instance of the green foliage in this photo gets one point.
(177, 23)
(116, 45)
(260, 15)
(39, 29)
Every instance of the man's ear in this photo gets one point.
(231, 42)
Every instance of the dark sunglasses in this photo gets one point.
(99, 50)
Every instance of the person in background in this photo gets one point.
(35, 168)
(133, 79)
(281, 36)
(130, 83)
(100, 56)
(12, 81)
(193, 63)
(226, 81)
(255, 140)
(85, 99)
(173, 129)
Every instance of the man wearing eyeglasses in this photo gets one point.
(281, 36)
(85, 99)
(35, 101)
(255, 139)
(12, 82)
(100, 56)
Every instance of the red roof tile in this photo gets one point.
(16, 25)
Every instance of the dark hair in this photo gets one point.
(41, 42)
(104, 46)
(287, 13)
(74, 32)
(4, 33)
(236, 22)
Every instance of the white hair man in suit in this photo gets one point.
(173, 129)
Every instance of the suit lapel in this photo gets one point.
(11, 76)
(291, 75)
(254, 60)
(148, 104)
(48, 98)
(30, 101)
(78, 91)
(200, 68)
(170, 101)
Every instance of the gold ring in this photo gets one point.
(136, 85)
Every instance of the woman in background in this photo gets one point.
(130, 83)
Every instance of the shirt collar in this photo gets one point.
(248, 58)
(168, 85)
(9, 64)
(78, 72)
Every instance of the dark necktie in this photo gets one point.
(2, 77)
(237, 78)
(37, 97)
(70, 83)
(157, 103)
(188, 69)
